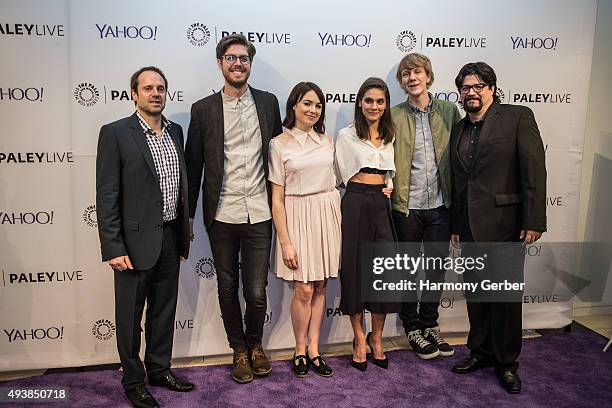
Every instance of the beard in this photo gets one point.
(472, 108)
(236, 83)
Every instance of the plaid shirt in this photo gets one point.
(166, 162)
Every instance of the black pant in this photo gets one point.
(159, 287)
(432, 227)
(496, 328)
(253, 242)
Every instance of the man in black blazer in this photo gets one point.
(499, 195)
(228, 137)
(141, 203)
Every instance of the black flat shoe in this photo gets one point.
(299, 367)
(361, 366)
(322, 368)
(380, 362)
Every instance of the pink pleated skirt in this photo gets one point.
(313, 223)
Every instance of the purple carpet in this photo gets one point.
(558, 370)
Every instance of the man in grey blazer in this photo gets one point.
(228, 138)
(499, 196)
(141, 201)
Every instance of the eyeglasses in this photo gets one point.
(231, 58)
(465, 89)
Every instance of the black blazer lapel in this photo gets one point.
(218, 135)
(458, 131)
(179, 147)
(487, 129)
(141, 142)
(265, 116)
(262, 115)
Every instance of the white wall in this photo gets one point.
(598, 143)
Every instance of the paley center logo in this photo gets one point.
(87, 94)
(16, 278)
(541, 97)
(535, 97)
(90, 216)
(40, 30)
(36, 157)
(345, 40)
(103, 329)
(205, 268)
(340, 97)
(260, 37)
(406, 41)
(198, 34)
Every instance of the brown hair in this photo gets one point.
(415, 60)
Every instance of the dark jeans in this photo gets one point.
(432, 227)
(159, 287)
(253, 242)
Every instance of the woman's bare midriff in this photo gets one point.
(365, 178)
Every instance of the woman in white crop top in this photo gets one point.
(365, 162)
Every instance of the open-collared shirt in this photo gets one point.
(243, 196)
(166, 160)
(425, 192)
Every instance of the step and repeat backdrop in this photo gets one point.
(65, 72)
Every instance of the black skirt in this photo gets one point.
(366, 217)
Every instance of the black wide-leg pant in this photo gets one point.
(366, 217)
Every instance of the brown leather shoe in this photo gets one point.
(241, 370)
(259, 362)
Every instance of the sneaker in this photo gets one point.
(433, 336)
(421, 346)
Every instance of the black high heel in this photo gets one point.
(380, 362)
(361, 366)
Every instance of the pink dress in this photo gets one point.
(303, 163)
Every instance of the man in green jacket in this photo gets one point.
(422, 192)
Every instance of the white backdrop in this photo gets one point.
(65, 72)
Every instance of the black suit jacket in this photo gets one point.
(129, 203)
(205, 142)
(504, 190)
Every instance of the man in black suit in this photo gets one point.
(499, 195)
(141, 203)
(228, 137)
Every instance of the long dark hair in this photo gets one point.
(483, 71)
(296, 95)
(386, 130)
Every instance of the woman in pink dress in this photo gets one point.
(306, 213)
